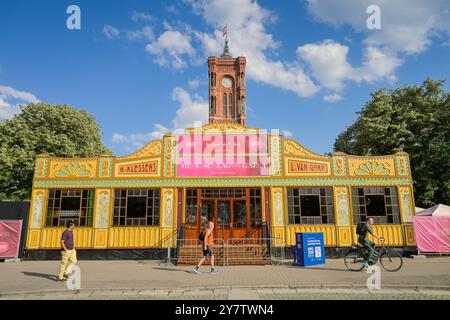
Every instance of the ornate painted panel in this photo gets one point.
(371, 167)
(277, 207)
(275, 155)
(406, 204)
(168, 207)
(402, 163)
(37, 207)
(105, 168)
(41, 167)
(342, 206)
(103, 208)
(76, 168)
(339, 164)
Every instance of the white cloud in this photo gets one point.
(138, 140)
(332, 98)
(406, 25)
(7, 111)
(287, 134)
(142, 16)
(111, 32)
(328, 62)
(10, 99)
(193, 84)
(16, 94)
(329, 65)
(117, 137)
(172, 9)
(377, 65)
(191, 109)
(145, 33)
(246, 28)
(171, 48)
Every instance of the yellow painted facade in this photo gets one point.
(154, 166)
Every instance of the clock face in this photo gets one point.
(227, 82)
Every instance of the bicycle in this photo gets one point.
(390, 260)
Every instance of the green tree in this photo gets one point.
(414, 119)
(58, 130)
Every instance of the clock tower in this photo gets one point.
(227, 88)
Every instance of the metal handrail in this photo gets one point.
(258, 240)
(220, 251)
(159, 244)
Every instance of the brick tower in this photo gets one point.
(227, 88)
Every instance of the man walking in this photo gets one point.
(68, 253)
(208, 249)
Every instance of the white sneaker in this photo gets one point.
(196, 270)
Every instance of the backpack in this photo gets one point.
(201, 236)
(359, 228)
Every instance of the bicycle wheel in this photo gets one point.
(391, 260)
(353, 260)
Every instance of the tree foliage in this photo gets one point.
(414, 119)
(58, 130)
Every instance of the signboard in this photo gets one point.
(310, 249)
(147, 168)
(305, 167)
(222, 154)
(10, 231)
(295, 166)
(432, 234)
(139, 168)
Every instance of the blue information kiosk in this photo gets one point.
(309, 249)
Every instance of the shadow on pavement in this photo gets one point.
(41, 275)
(318, 268)
(168, 269)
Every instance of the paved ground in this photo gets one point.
(418, 279)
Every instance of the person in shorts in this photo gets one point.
(208, 249)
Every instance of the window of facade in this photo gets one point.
(65, 206)
(380, 203)
(310, 205)
(224, 104)
(136, 207)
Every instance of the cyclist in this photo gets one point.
(366, 227)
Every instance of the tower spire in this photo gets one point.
(226, 50)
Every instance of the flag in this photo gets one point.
(224, 32)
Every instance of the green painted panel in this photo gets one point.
(227, 182)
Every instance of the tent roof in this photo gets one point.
(437, 210)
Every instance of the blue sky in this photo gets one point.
(140, 66)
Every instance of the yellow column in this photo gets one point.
(168, 220)
(102, 216)
(36, 217)
(343, 219)
(407, 212)
(278, 215)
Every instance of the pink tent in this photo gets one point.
(439, 210)
(432, 234)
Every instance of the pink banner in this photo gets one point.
(432, 234)
(220, 154)
(10, 231)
